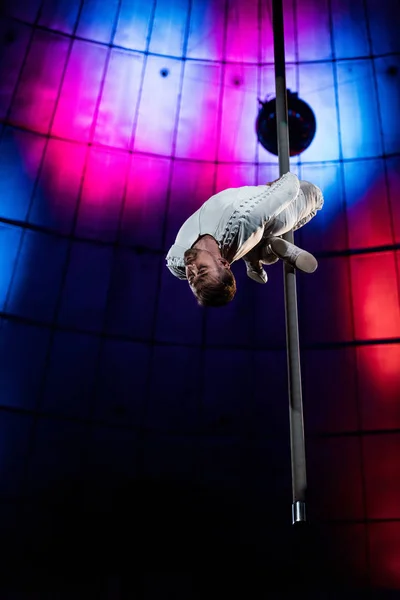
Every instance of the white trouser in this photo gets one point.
(299, 212)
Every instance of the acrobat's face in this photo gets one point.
(209, 277)
(202, 265)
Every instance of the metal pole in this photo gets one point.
(299, 480)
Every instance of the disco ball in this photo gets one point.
(302, 125)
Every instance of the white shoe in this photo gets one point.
(259, 276)
(295, 256)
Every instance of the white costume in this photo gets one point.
(239, 218)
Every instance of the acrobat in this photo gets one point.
(243, 223)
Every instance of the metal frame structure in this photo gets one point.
(298, 459)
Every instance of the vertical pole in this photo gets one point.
(299, 480)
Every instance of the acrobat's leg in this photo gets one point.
(295, 256)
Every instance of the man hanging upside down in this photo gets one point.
(246, 223)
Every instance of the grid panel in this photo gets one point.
(313, 30)
(349, 27)
(358, 105)
(221, 463)
(54, 201)
(85, 290)
(217, 414)
(55, 457)
(267, 93)
(70, 376)
(120, 383)
(179, 319)
(316, 84)
(42, 72)
(168, 28)
(239, 111)
(366, 188)
(380, 386)
(265, 11)
(370, 294)
(385, 552)
(268, 385)
(353, 537)
(111, 459)
(197, 130)
(269, 311)
(117, 111)
(174, 393)
(206, 32)
(39, 269)
(102, 195)
(154, 128)
(168, 460)
(191, 184)
(393, 170)
(132, 294)
(382, 482)
(228, 175)
(383, 24)
(17, 179)
(23, 352)
(27, 11)
(14, 40)
(96, 20)
(387, 70)
(134, 22)
(61, 15)
(145, 201)
(14, 434)
(76, 107)
(330, 319)
(241, 39)
(335, 478)
(330, 390)
(326, 233)
(10, 239)
(222, 328)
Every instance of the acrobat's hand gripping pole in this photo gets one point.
(299, 480)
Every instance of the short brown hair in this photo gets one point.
(216, 292)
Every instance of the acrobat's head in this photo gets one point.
(210, 277)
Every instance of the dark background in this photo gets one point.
(144, 442)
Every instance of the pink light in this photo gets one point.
(242, 40)
(119, 99)
(379, 385)
(146, 200)
(394, 193)
(367, 204)
(37, 91)
(385, 554)
(198, 122)
(381, 460)
(238, 141)
(375, 296)
(102, 194)
(60, 180)
(206, 29)
(235, 176)
(80, 91)
(192, 183)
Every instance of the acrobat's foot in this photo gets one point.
(295, 256)
(258, 275)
